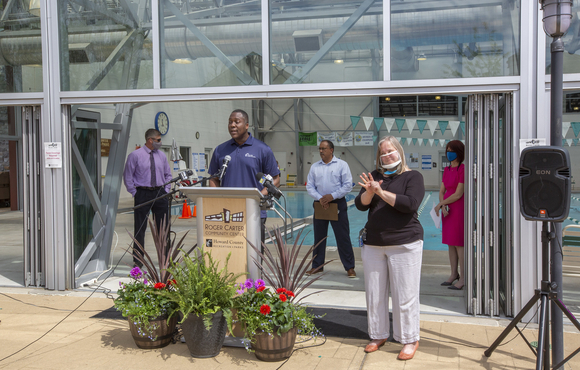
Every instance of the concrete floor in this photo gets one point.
(57, 330)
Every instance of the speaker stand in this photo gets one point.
(544, 295)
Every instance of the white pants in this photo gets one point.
(397, 267)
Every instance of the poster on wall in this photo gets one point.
(363, 138)
(412, 160)
(344, 139)
(426, 162)
(307, 138)
(331, 136)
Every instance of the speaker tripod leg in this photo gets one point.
(543, 360)
(513, 323)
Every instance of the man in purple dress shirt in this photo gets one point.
(146, 170)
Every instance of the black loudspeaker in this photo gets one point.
(545, 183)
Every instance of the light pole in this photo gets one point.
(557, 16)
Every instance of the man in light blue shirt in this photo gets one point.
(329, 180)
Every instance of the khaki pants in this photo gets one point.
(394, 268)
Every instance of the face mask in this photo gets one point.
(156, 145)
(390, 166)
(390, 172)
(451, 156)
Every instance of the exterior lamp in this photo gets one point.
(557, 16)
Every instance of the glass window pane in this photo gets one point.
(105, 45)
(20, 48)
(205, 44)
(326, 41)
(447, 39)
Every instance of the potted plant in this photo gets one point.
(273, 317)
(139, 300)
(203, 293)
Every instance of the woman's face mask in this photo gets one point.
(451, 156)
(390, 160)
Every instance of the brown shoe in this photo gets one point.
(314, 270)
(350, 273)
(374, 345)
(408, 356)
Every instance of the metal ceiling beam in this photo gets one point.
(301, 74)
(241, 75)
(92, 6)
(111, 60)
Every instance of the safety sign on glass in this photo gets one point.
(52, 155)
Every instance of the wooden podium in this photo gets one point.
(225, 218)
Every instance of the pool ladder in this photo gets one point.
(284, 217)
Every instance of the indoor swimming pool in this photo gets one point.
(299, 205)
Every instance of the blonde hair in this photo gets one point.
(394, 142)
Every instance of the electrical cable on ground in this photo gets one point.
(106, 291)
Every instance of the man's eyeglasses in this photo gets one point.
(323, 148)
(158, 140)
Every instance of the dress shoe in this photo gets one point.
(374, 345)
(448, 283)
(350, 273)
(453, 287)
(314, 271)
(408, 356)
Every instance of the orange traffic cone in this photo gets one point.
(194, 211)
(186, 211)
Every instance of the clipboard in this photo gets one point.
(331, 213)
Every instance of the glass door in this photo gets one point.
(489, 249)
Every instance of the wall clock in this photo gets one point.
(162, 122)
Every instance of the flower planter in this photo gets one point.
(163, 332)
(203, 343)
(274, 347)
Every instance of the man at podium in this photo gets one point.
(247, 156)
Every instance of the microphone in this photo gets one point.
(267, 181)
(222, 172)
(182, 176)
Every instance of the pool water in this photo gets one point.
(299, 205)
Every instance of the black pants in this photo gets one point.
(341, 230)
(160, 210)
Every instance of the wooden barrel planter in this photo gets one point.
(203, 343)
(163, 333)
(274, 347)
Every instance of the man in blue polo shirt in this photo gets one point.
(248, 157)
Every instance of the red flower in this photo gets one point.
(281, 290)
(265, 309)
(260, 289)
(171, 282)
(283, 298)
(290, 293)
(159, 286)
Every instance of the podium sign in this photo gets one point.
(226, 217)
(224, 231)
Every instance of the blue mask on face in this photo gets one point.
(451, 156)
(390, 172)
